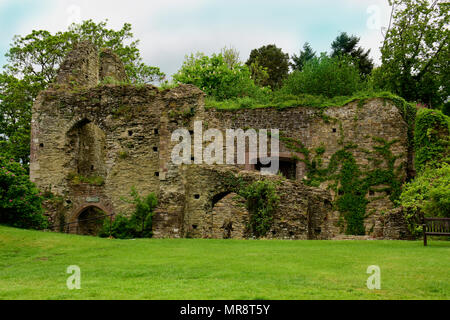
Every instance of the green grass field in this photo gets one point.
(33, 266)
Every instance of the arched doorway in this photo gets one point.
(229, 217)
(90, 221)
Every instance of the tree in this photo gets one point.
(428, 195)
(305, 55)
(20, 201)
(346, 45)
(325, 76)
(231, 57)
(33, 62)
(16, 97)
(214, 76)
(415, 52)
(274, 60)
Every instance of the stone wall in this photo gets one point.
(93, 141)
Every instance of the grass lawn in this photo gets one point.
(33, 266)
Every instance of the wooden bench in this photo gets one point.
(435, 227)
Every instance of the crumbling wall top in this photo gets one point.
(111, 67)
(80, 68)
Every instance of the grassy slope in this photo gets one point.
(33, 266)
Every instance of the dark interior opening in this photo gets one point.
(288, 168)
(90, 221)
(219, 197)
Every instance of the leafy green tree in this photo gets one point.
(231, 57)
(345, 45)
(16, 98)
(20, 201)
(305, 55)
(428, 195)
(325, 76)
(259, 74)
(272, 59)
(415, 52)
(214, 76)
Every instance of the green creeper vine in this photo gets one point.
(431, 138)
(261, 202)
(349, 181)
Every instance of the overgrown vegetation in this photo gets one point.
(325, 76)
(20, 201)
(280, 100)
(261, 201)
(428, 194)
(348, 180)
(217, 78)
(138, 225)
(79, 179)
(432, 138)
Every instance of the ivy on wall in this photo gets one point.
(262, 201)
(350, 182)
(431, 138)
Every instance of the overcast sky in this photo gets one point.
(170, 29)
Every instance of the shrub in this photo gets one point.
(20, 201)
(428, 195)
(431, 138)
(216, 78)
(120, 228)
(262, 201)
(139, 225)
(325, 76)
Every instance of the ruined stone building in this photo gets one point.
(94, 138)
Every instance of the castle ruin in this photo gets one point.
(94, 138)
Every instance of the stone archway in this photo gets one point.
(89, 219)
(229, 217)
